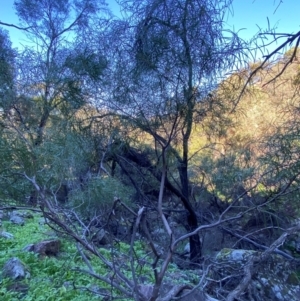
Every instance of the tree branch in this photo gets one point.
(15, 26)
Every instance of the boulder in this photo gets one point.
(100, 237)
(44, 248)
(15, 269)
(18, 220)
(18, 217)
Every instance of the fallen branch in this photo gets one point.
(260, 246)
(250, 270)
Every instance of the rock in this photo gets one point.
(43, 221)
(22, 213)
(18, 217)
(159, 235)
(29, 248)
(100, 237)
(15, 269)
(234, 255)
(168, 291)
(187, 248)
(44, 248)
(6, 234)
(18, 220)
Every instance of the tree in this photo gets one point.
(51, 79)
(168, 57)
(54, 70)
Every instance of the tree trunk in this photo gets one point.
(195, 243)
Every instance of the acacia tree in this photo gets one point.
(167, 59)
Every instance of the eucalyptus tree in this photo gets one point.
(168, 57)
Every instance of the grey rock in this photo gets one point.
(234, 255)
(22, 213)
(100, 237)
(18, 220)
(6, 234)
(187, 248)
(15, 269)
(29, 248)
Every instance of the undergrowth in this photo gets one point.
(59, 279)
(51, 278)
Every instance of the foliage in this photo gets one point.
(98, 194)
(7, 69)
(51, 277)
(58, 277)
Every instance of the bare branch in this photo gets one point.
(83, 256)
(291, 38)
(106, 280)
(15, 26)
(249, 268)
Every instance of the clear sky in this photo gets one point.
(249, 14)
(246, 15)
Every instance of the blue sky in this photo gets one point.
(249, 14)
(246, 15)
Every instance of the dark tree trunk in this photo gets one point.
(195, 243)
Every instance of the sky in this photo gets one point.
(246, 17)
(252, 14)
